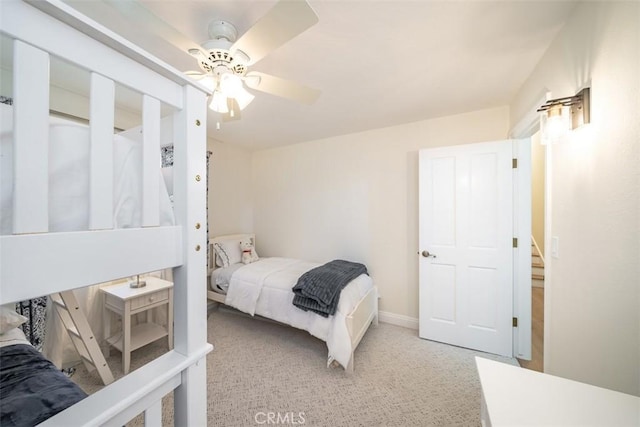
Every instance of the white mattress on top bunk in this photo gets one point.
(69, 178)
(264, 288)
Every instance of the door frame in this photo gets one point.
(525, 128)
(522, 254)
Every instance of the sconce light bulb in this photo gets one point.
(554, 111)
(555, 124)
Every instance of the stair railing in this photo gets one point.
(538, 252)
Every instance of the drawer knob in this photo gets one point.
(151, 299)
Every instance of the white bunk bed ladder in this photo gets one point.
(83, 338)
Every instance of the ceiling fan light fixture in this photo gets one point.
(243, 97)
(219, 103)
(239, 57)
(209, 82)
(224, 59)
(230, 84)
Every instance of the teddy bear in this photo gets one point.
(249, 254)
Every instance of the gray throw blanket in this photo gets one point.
(318, 289)
(32, 389)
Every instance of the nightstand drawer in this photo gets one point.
(145, 300)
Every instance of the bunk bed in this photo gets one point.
(265, 288)
(36, 261)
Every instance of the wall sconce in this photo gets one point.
(564, 114)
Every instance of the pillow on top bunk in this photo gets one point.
(9, 319)
(228, 252)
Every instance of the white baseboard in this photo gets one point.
(398, 320)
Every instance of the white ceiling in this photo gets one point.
(378, 63)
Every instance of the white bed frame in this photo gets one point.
(364, 313)
(34, 262)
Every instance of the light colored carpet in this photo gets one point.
(260, 369)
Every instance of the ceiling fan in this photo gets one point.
(225, 59)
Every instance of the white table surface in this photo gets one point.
(516, 396)
(125, 292)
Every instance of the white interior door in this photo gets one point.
(466, 258)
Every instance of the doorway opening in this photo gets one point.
(538, 166)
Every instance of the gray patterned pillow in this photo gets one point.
(228, 252)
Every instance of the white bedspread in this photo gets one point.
(264, 288)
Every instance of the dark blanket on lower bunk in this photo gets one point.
(32, 389)
(318, 289)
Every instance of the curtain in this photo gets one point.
(34, 310)
(166, 156)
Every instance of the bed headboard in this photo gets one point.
(226, 238)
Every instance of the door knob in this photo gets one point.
(427, 254)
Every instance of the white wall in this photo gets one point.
(356, 196)
(230, 204)
(592, 301)
(74, 104)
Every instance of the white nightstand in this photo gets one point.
(125, 301)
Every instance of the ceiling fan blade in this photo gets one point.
(281, 87)
(205, 79)
(284, 21)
